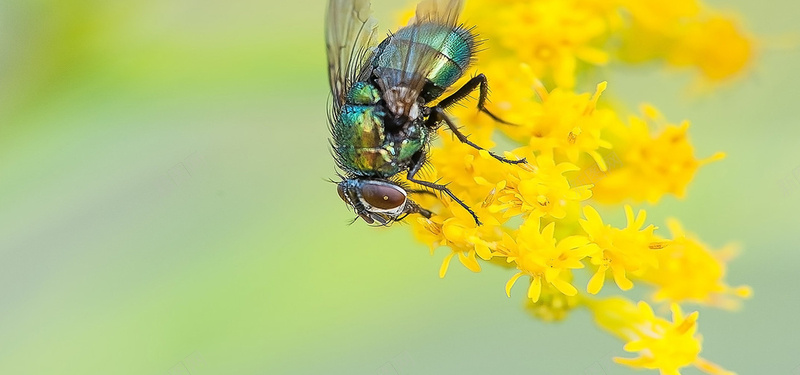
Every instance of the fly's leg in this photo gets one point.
(437, 114)
(415, 209)
(420, 191)
(419, 161)
(477, 81)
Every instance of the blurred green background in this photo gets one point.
(164, 207)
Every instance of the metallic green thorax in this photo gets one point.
(362, 144)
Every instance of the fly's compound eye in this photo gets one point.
(383, 196)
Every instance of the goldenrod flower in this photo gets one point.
(468, 166)
(622, 250)
(539, 217)
(651, 165)
(685, 33)
(663, 345)
(690, 272)
(715, 45)
(542, 192)
(457, 230)
(544, 259)
(560, 39)
(553, 36)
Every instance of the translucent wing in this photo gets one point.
(349, 34)
(412, 52)
(443, 12)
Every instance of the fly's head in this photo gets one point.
(378, 202)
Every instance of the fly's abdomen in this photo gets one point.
(443, 53)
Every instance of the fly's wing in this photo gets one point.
(444, 12)
(349, 35)
(412, 52)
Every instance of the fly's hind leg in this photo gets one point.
(419, 161)
(479, 81)
(437, 114)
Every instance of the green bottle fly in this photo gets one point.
(381, 120)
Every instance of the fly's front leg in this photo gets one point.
(476, 82)
(437, 114)
(419, 161)
(413, 208)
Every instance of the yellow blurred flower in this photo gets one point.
(663, 345)
(690, 272)
(552, 304)
(715, 45)
(651, 165)
(685, 33)
(553, 36)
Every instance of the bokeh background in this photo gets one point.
(164, 207)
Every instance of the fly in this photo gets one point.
(382, 118)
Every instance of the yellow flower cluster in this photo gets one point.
(539, 218)
(649, 163)
(562, 39)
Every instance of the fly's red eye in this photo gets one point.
(383, 196)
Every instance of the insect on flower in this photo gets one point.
(382, 118)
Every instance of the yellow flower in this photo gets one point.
(543, 258)
(542, 192)
(553, 36)
(538, 217)
(650, 165)
(664, 345)
(466, 167)
(689, 272)
(454, 227)
(685, 34)
(566, 125)
(622, 250)
(715, 45)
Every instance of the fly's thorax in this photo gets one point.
(360, 126)
(369, 140)
(363, 93)
(360, 141)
